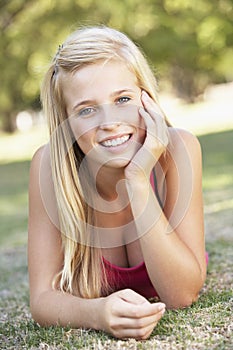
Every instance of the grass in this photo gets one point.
(207, 324)
(13, 202)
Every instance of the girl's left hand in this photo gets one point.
(155, 143)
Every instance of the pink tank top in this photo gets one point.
(136, 277)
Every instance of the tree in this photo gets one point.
(189, 42)
(192, 43)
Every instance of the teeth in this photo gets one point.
(116, 142)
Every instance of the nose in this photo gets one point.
(109, 117)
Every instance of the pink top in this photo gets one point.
(136, 277)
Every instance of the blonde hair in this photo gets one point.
(83, 271)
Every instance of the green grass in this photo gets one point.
(13, 202)
(207, 324)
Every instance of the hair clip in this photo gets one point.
(60, 47)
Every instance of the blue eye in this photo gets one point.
(123, 99)
(86, 111)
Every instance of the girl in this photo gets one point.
(115, 199)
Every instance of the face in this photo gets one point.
(102, 102)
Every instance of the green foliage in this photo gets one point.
(189, 42)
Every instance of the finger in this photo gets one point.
(162, 132)
(138, 334)
(141, 322)
(138, 329)
(137, 311)
(151, 107)
(157, 115)
(151, 126)
(146, 310)
(152, 130)
(156, 128)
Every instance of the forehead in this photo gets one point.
(99, 77)
(116, 69)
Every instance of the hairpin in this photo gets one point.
(60, 47)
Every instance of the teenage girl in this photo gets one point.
(115, 198)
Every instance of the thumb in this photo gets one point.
(132, 297)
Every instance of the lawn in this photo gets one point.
(207, 324)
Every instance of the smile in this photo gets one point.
(116, 142)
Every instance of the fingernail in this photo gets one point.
(162, 306)
(144, 93)
(163, 311)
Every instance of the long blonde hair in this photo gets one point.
(83, 271)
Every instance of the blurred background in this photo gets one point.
(189, 44)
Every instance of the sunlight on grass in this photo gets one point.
(13, 203)
(8, 204)
(210, 115)
(222, 180)
(22, 145)
(219, 206)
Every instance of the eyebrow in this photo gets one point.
(113, 94)
(119, 92)
(82, 103)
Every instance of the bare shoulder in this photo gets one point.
(39, 154)
(40, 170)
(181, 137)
(42, 201)
(40, 160)
(183, 143)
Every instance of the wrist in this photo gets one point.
(138, 182)
(136, 174)
(96, 316)
(138, 189)
(101, 314)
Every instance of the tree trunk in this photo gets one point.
(8, 122)
(184, 83)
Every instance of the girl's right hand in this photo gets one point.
(154, 145)
(126, 314)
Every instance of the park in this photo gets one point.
(193, 62)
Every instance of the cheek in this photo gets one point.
(129, 114)
(83, 133)
(81, 127)
(84, 143)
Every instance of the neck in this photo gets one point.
(108, 181)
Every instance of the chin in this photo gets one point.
(117, 163)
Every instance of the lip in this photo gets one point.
(119, 148)
(115, 137)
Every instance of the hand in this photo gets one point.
(155, 143)
(129, 315)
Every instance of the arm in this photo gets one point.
(45, 259)
(123, 314)
(172, 240)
